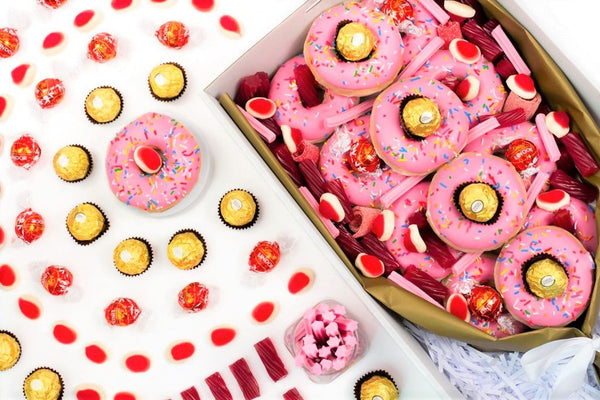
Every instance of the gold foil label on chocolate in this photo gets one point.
(421, 117)
(355, 41)
(377, 388)
(478, 202)
(547, 278)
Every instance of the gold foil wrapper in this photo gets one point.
(185, 250)
(547, 279)
(478, 202)
(378, 387)
(10, 351)
(103, 104)
(167, 81)
(42, 384)
(131, 256)
(355, 41)
(71, 163)
(421, 117)
(85, 222)
(237, 208)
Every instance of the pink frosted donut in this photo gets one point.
(582, 217)
(291, 112)
(535, 311)
(427, 26)
(407, 155)
(482, 272)
(360, 78)
(364, 188)
(412, 202)
(181, 162)
(448, 221)
(500, 138)
(492, 94)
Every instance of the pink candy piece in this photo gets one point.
(538, 184)
(313, 203)
(464, 262)
(438, 12)
(262, 130)
(482, 128)
(399, 190)
(429, 50)
(547, 138)
(350, 114)
(510, 51)
(410, 287)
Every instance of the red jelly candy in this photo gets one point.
(102, 47)
(362, 156)
(173, 34)
(25, 152)
(181, 351)
(30, 307)
(562, 218)
(8, 276)
(485, 302)
(122, 312)
(51, 3)
(29, 226)
(222, 336)
(137, 363)
(53, 41)
(264, 257)
(230, 26)
(264, 312)
(64, 334)
(300, 281)
(57, 280)
(95, 353)
(256, 85)
(9, 42)
(522, 154)
(49, 92)
(88, 393)
(125, 396)
(203, 5)
(193, 297)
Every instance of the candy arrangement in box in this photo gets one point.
(416, 132)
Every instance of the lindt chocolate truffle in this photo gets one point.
(9, 42)
(186, 249)
(132, 256)
(43, 384)
(193, 297)
(362, 156)
(546, 278)
(522, 154)
(173, 34)
(167, 81)
(29, 226)
(122, 312)
(354, 41)
(86, 223)
(485, 302)
(478, 202)
(264, 257)
(399, 10)
(72, 163)
(103, 105)
(10, 350)
(376, 385)
(102, 48)
(419, 116)
(238, 209)
(51, 3)
(49, 92)
(25, 152)
(57, 280)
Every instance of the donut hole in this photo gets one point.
(478, 206)
(359, 41)
(545, 280)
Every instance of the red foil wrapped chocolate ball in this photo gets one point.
(25, 152)
(193, 297)
(57, 280)
(362, 156)
(122, 312)
(51, 3)
(173, 34)
(522, 154)
(485, 302)
(49, 92)
(399, 10)
(102, 47)
(264, 257)
(9, 42)
(29, 226)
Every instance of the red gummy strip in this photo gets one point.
(257, 85)
(375, 247)
(437, 249)
(565, 162)
(562, 218)
(581, 190)
(349, 244)
(137, 363)
(490, 25)
(270, 359)
(190, 394)
(247, 382)
(271, 124)
(8, 277)
(419, 219)
(182, 351)
(64, 334)
(203, 5)
(426, 283)
(504, 68)
(292, 394)
(507, 118)
(585, 163)
(95, 354)
(307, 86)
(336, 187)
(283, 155)
(477, 35)
(312, 176)
(479, 13)
(451, 81)
(217, 387)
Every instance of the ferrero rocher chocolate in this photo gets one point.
(354, 41)
(103, 105)
(167, 81)
(546, 278)
(42, 384)
(71, 163)
(85, 222)
(478, 202)
(378, 387)
(238, 208)
(132, 256)
(186, 250)
(10, 351)
(421, 117)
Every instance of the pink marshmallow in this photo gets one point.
(332, 329)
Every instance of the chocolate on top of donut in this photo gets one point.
(544, 276)
(419, 116)
(478, 202)
(354, 42)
